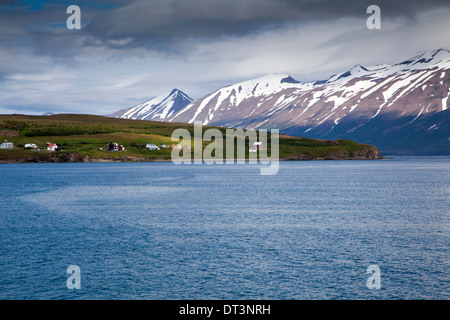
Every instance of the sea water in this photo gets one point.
(162, 231)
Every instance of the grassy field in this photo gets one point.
(82, 136)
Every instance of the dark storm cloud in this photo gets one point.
(212, 18)
(169, 25)
(128, 51)
(335, 9)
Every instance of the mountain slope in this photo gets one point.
(427, 135)
(365, 104)
(419, 85)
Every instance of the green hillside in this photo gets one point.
(82, 138)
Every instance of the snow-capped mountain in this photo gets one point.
(415, 87)
(365, 104)
(158, 109)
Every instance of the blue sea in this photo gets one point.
(162, 231)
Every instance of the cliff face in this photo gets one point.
(366, 153)
(333, 150)
(369, 152)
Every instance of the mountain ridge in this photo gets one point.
(408, 90)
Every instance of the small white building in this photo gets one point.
(7, 145)
(258, 145)
(31, 146)
(151, 146)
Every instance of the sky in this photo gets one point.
(127, 52)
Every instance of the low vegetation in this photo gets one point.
(83, 138)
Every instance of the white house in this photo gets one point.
(7, 145)
(151, 146)
(258, 145)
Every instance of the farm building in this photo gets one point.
(258, 145)
(151, 146)
(52, 146)
(114, 146)
(31, 146)
(7, 145)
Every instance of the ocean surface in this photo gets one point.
(161, 231)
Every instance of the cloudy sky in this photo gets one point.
(129, 51)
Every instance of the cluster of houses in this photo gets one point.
(114, 146)
(49, 146)
(153, 146)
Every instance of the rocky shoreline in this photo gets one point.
(368, 153)
(75, 157)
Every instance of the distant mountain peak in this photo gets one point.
(177, 91)
(434, 52)
(358, 68)
(289, 79)
(273, 77)
(157, 108)
(356, 71)
(174, 91)
(429, 57)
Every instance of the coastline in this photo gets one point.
(71, 159)
(83, 138)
